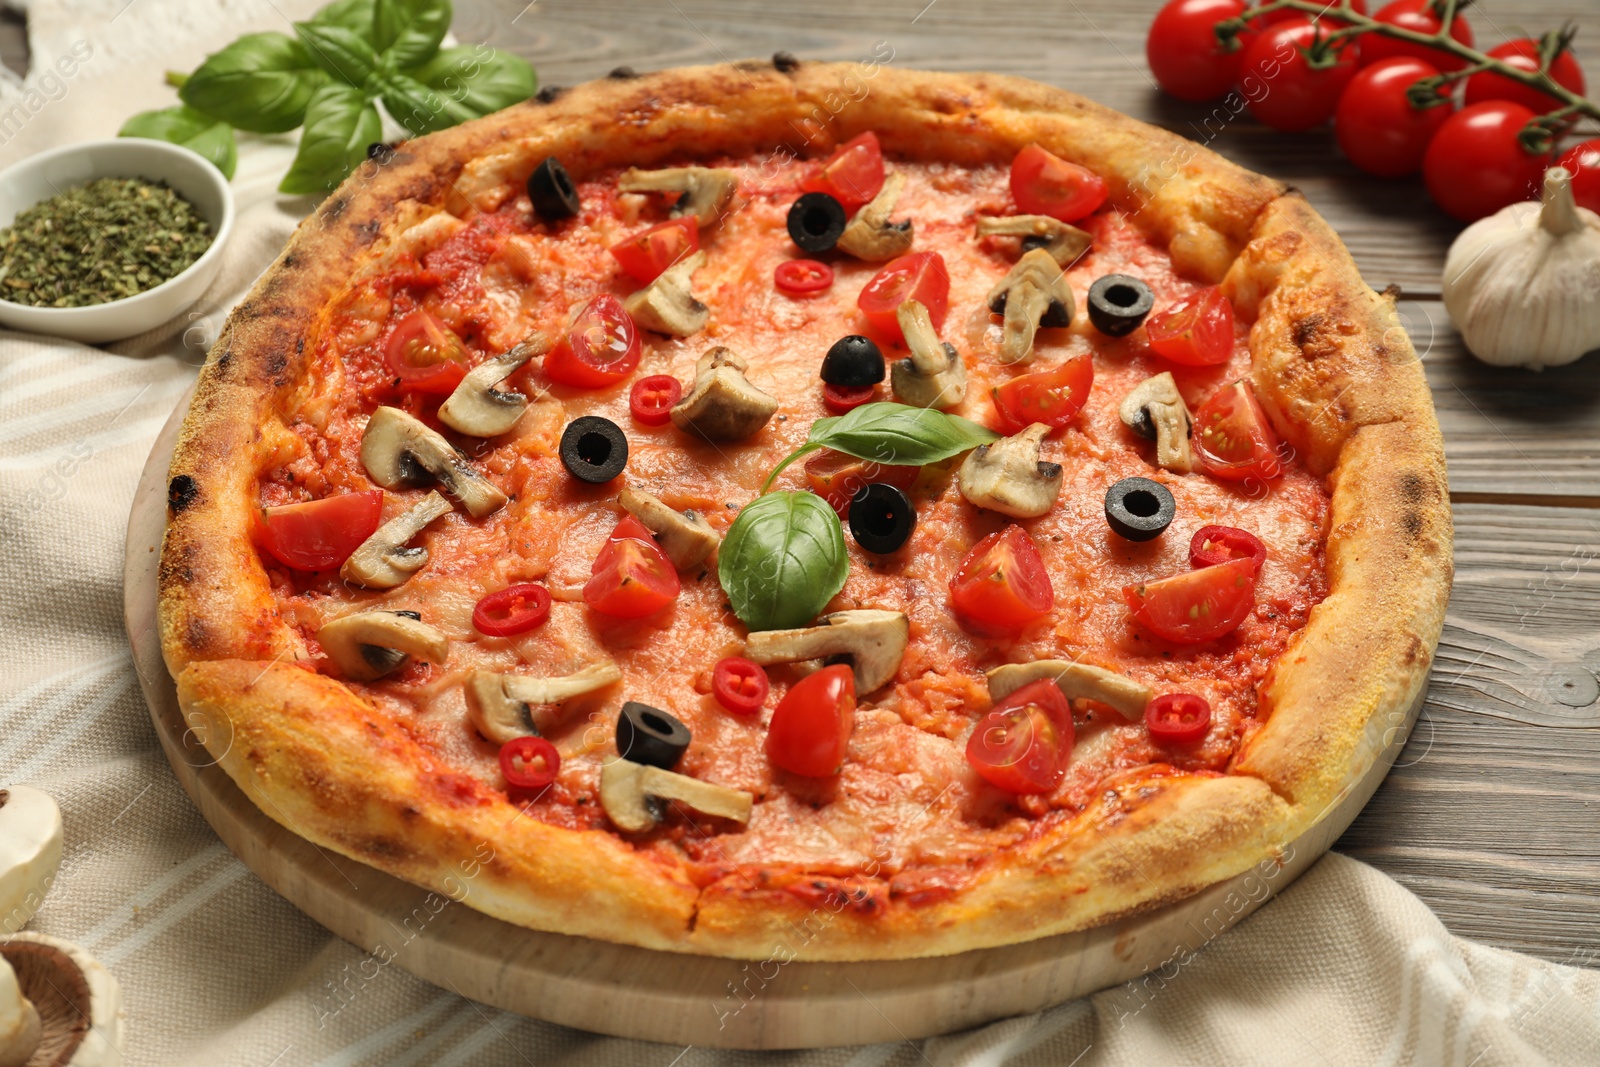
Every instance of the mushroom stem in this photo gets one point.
(632, 794)
(1064, 243)
(1077, 681)
(1559, 216)
(871, 639)
(870, 235)
(19, 1021)
(933, 375)
(686, 537)
(476, 407)
(506, 706)
(386, 559)
(1034, 293)
(707, 191)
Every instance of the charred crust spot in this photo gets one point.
(549, 94)
(785, 62)
(385, 848)
(182, 491)
(195, 636)
(368, 231)
(299, 346)
(1416, 651)
(1305, 329)
(410, 813)
(622, 74)
(276, 365)
(290, 260)
(335, 207)
(1391, 292)
(1412, 522)
(1413, 488)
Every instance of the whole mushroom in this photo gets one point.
(58, 1006)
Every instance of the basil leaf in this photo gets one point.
(420, 109)
(340, 124)
(194, 130)
(352, 14)
(409, 31)
(340, 51)
(262, 83)
(782, 560)
(892, 434)
(479, 78)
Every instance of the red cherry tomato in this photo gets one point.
(1422, 17)
(649, 252)
(1002, 584)
(919, 276)
(1212, 545)
(425, 356)
(1183, 51)
(810, 728)
(802, 277)
(1046, 184)
(842, 398)
(650, 400)
(1523, 54)
(852, 175)
(1583, 160)
(1234, 438)
(1475, 164)
(529, 762)
(600, 347)
(513, 610)
(1178, 719)
(837, 476)
(632, 577)
(1377, 126)
(1023, 744)
(1197, 605)
(1197, 331)
(1053, 396)
(319, 535)
(1272, 18)
(739, 685)
(1281, 86)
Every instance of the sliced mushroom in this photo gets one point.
(476, 407)
(507, 706)
(686, 537)
(1009, 477)
(387, 558)
(1077, 681)
(870, 235)
(1154, 409)
(871, 640)
(723, 405)
(934, 375)
(370, 644)
(707, 191)
(77, 1002)
(668, 305)
(1064, 243)
(398, 451)
(634, 795)
(30, 854)
(1034, 293)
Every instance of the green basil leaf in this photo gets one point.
(782, 560)
(262, 83)
(340, 51)
(410, 30)
(340, 124)
(420, 109)
(194, 130)
(478, 77)
(352, 14)
(893, 434)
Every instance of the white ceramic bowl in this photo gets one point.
(42, 176)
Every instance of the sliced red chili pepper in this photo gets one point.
(842, 398)
(651, 399)
(739, 685)
(1178, 719)
(1212, 545)
(529, 762)
(513, 610)
(802, 277)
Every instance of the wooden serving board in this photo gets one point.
(661, 996)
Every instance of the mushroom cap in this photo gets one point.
(633, 795)
(400, 451)
(78, 1001)
(1034, 293)
(1154, 409)
(687, 538)
(1064, 242)
(30, 852)
(371, 644)
(1077, 681)
(870, 235)
(668, 304)
(1009, 476)
(723, 405)
(503, 707)
(872, 639)
(385, 559)
(707, 191)
(476, 407)
(933, 376)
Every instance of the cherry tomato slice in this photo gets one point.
(425, 356)
(1197, 331)
(802, 277)
(529, 762)
(600, 347)
(842, 398)
(919, 276)
(1212, 545)
(810, 728)
(319, 535)
(513, 610)
(1053, 397)
(651, 399)
(632, 577)
(1023, 744)
(852, 175)
(837, 476)
(649, 252)
(1002, 584)
(739, 685)
(1198, 605)
(1234, 438)
(1046, 184)
(1178, 719)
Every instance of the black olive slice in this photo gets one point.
(815, 222)
(650, 736)
(853, 361)
(1137, 508)
(593, 449)
(552, 192)
(881, 517)
(1118, 303)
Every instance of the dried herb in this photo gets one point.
(95, 243)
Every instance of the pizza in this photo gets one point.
(869, 512)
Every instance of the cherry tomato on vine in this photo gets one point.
(739, 685)
(811, 726)
(802, 277)
(1197, 331)
(513, 610)
(1420, 16)
(1476, 164)
(1272, 18)
(837, 476)
(1053, 396)
(1001, 585)
(919, 276)
(529, 762)
(1523, 54)
(1045, 184)
(319, 535)
(599, 348)
(651, 398)
(1279, 82)
(425, 355)
(1233, 437)
(1024, 743)
(852, 175)
(1195, 606)
(1212, 545)
(1583, 160)
(647, 253)
(1183, 51)
(1178, 719)
(1378, 127)
(632, 577)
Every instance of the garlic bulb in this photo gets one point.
(1522, 284)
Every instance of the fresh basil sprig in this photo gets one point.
(782, 560)
(892, 434)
